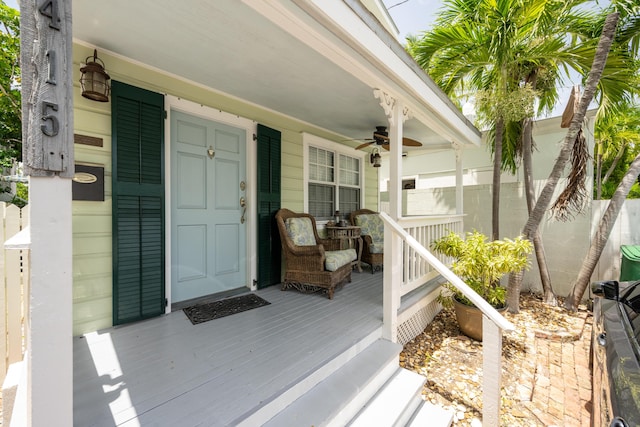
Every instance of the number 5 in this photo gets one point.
(55, 126)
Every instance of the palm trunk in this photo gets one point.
(497, 170)
(598, 173)
(600, 59)
(515, 282)
(527, 164)
(614, 163)
(602, 235)
(599, 62)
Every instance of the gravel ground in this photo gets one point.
(452, 362)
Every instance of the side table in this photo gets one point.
(349, 235)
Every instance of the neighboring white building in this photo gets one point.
(432, 173)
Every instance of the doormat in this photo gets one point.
(214, 310)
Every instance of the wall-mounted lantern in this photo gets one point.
(375, 158)
(94, 81)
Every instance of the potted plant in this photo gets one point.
(480, 263)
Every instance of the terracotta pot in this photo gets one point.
(470, 319)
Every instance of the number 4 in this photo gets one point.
(49, 8)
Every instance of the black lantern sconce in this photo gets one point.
(94, 81)
(375, 158)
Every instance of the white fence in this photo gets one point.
(14, 268)
(626, 231)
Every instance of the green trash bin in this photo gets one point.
(630, 265)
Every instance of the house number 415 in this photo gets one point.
(51, 125)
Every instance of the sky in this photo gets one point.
(412, 16)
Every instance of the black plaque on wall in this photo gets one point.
(88, 183)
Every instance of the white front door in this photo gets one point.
(208, 191)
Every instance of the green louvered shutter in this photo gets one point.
(138, 203)
(269, 249)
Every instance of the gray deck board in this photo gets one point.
(166, 371)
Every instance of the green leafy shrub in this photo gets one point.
(481, 263)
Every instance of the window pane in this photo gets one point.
(349, 200)
(349, 170)
(321, 165)
(321, 201)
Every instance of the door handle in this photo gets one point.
(243, 205)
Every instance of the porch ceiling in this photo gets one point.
(231, 47)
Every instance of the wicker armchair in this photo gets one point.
(311, 263)
(372, 232)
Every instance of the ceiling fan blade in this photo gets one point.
(385, 146)
(411, 142)
(366, 144)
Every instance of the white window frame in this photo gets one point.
(309, 140)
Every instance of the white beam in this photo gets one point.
(457, 147)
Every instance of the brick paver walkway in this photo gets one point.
(562, 384)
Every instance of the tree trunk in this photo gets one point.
(497, 171)
(614, 163)
(513, 291)
(527, 165)
(598, 173)
(602, 235)
(599, 62)
(592, 81)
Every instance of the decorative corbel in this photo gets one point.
(387, 102)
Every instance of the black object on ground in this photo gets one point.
(201, 313)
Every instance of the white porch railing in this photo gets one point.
(424, 229)
(14, 268)
(400, 278)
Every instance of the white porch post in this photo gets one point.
(491, 372)
(396, 114)
(457, 148)
(49, 344)
(47, 117)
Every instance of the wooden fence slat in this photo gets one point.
(3, 298)
(14, 292)
(13, 289)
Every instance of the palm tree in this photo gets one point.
(470, 43)
(475, 46)
(600, 59)
(546, 39)
(615, 135)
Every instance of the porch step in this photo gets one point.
(429, 414)
(370, 390)
(395, 403)
(334, 401)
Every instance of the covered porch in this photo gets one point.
(167, 371)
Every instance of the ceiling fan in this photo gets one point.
(381, 137)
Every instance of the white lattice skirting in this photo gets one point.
(420, 318)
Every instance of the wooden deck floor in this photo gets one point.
(166, 371)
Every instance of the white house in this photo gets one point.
(217, 116)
